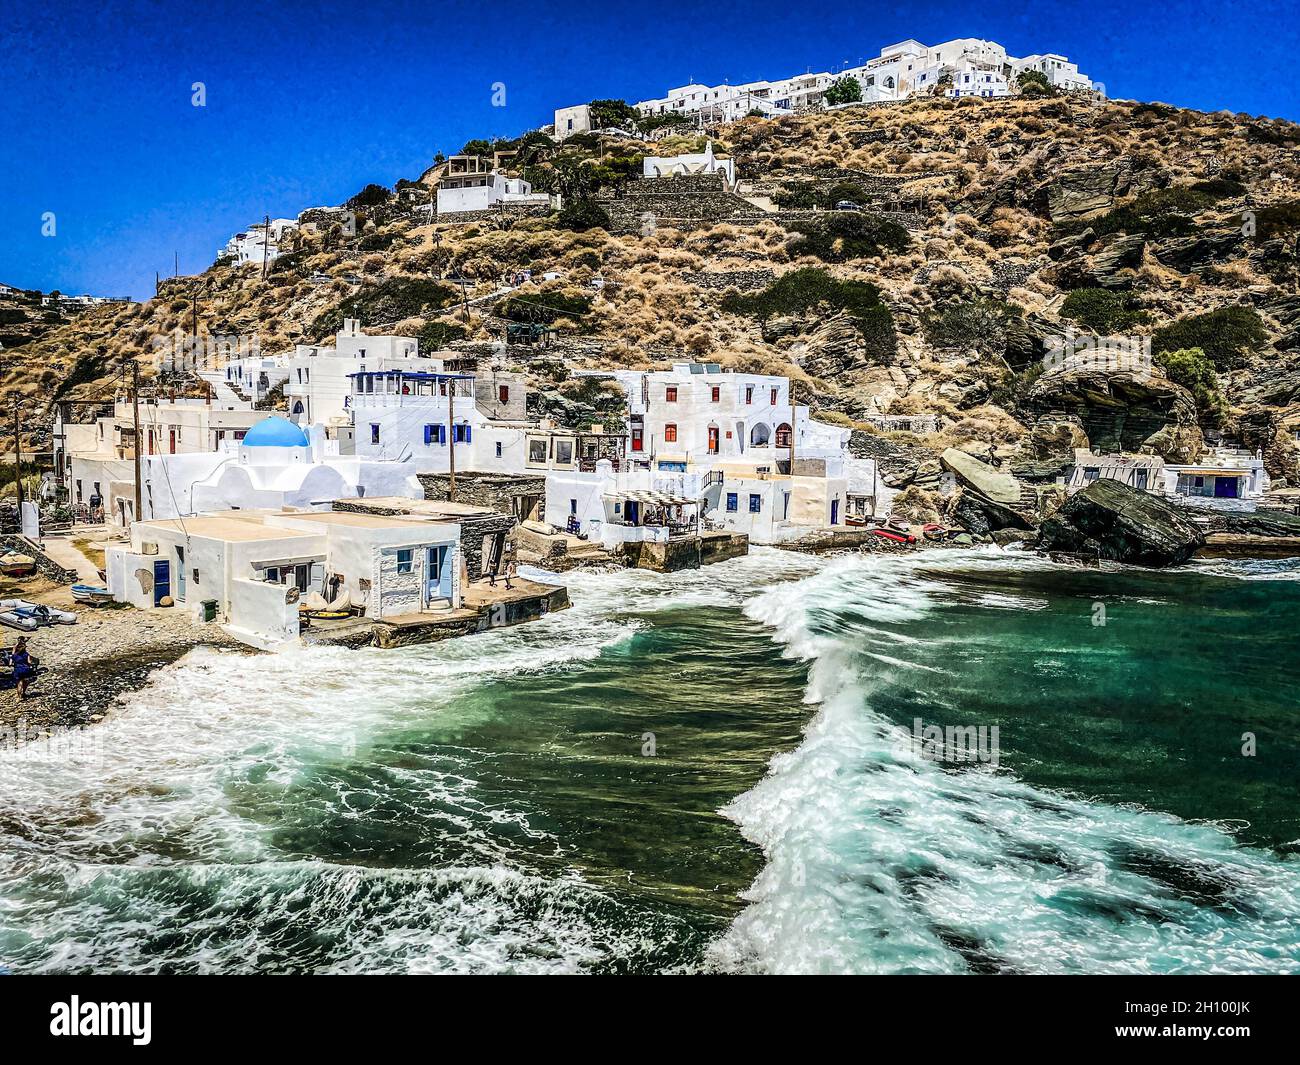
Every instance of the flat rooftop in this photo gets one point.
(228, 529)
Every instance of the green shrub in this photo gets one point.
(1100, 311)
(1034, 84)
(812, 288)
(388, 302)
(1194, 370)
(839, 236)
(1278, 220)
(436, 335)
(978, 325)
(1162, 213)
(1226, 335)
(581, 215)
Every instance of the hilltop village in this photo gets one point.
(946, 297)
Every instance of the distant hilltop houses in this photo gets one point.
(964, 67)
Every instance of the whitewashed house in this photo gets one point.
(97, 459)
(247, 570)
(256, 376)
(319, 383)
(471, 183)
(420, 416)
(705, 162)
(725, 440)
(275, 465)
(973, 67)
(1225, 478)
(259, 242)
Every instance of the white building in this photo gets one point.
(966, 66)
(1228, 478)
(248, 570)
(256, 376)
(422, 415)
(471, 183)
(258, 242)
(724, 440)
(97, 459)
(275, 465)
(318, 387)
(705, 162)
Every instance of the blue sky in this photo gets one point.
(307, 103)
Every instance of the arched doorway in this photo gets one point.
(760, 435)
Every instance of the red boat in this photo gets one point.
(897, 537)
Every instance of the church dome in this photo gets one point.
(276, 432)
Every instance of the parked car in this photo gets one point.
(848, 205)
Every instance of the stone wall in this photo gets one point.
(492, 491)
(721, 280)
(520, 210)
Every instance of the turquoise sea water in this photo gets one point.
(706, 771)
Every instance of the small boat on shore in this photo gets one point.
(89, 593)
(14, 564)
(38, 612)
(893, 535)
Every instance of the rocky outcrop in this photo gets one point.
(1109, 519)
(1047, 450)
(988, 499)
(1113, 264)
(1084, 192)
(1186, 254)
(1123, 410)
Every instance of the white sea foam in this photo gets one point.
(881, 861)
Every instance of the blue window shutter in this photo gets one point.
(428, 435)
(755, 504)
(732, 502)
(468, 435)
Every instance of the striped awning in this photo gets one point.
(657, 499)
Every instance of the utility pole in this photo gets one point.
(135, 419)
(451, 439)
(266, 242)
(18, 462)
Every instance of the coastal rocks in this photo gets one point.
(988, 499)
(1123, 410)
(1112, 520)
(1047, 450)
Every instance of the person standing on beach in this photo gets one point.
(24, 666)
(511, 571)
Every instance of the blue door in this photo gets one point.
(437, 583)
(1226, 487)
(835, 511)
(162, 581)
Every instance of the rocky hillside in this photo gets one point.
(993, 239)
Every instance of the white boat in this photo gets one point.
(39, 612)
(16, 620)
(89, 593)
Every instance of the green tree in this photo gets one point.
(845, 90)
(1226, 335)
(1034, 84)
(1100, 311)
(1194, 370)
(607, 114)
(581, 214)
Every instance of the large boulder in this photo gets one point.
(1123, 410)
(1110, 519)
(988, 499)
